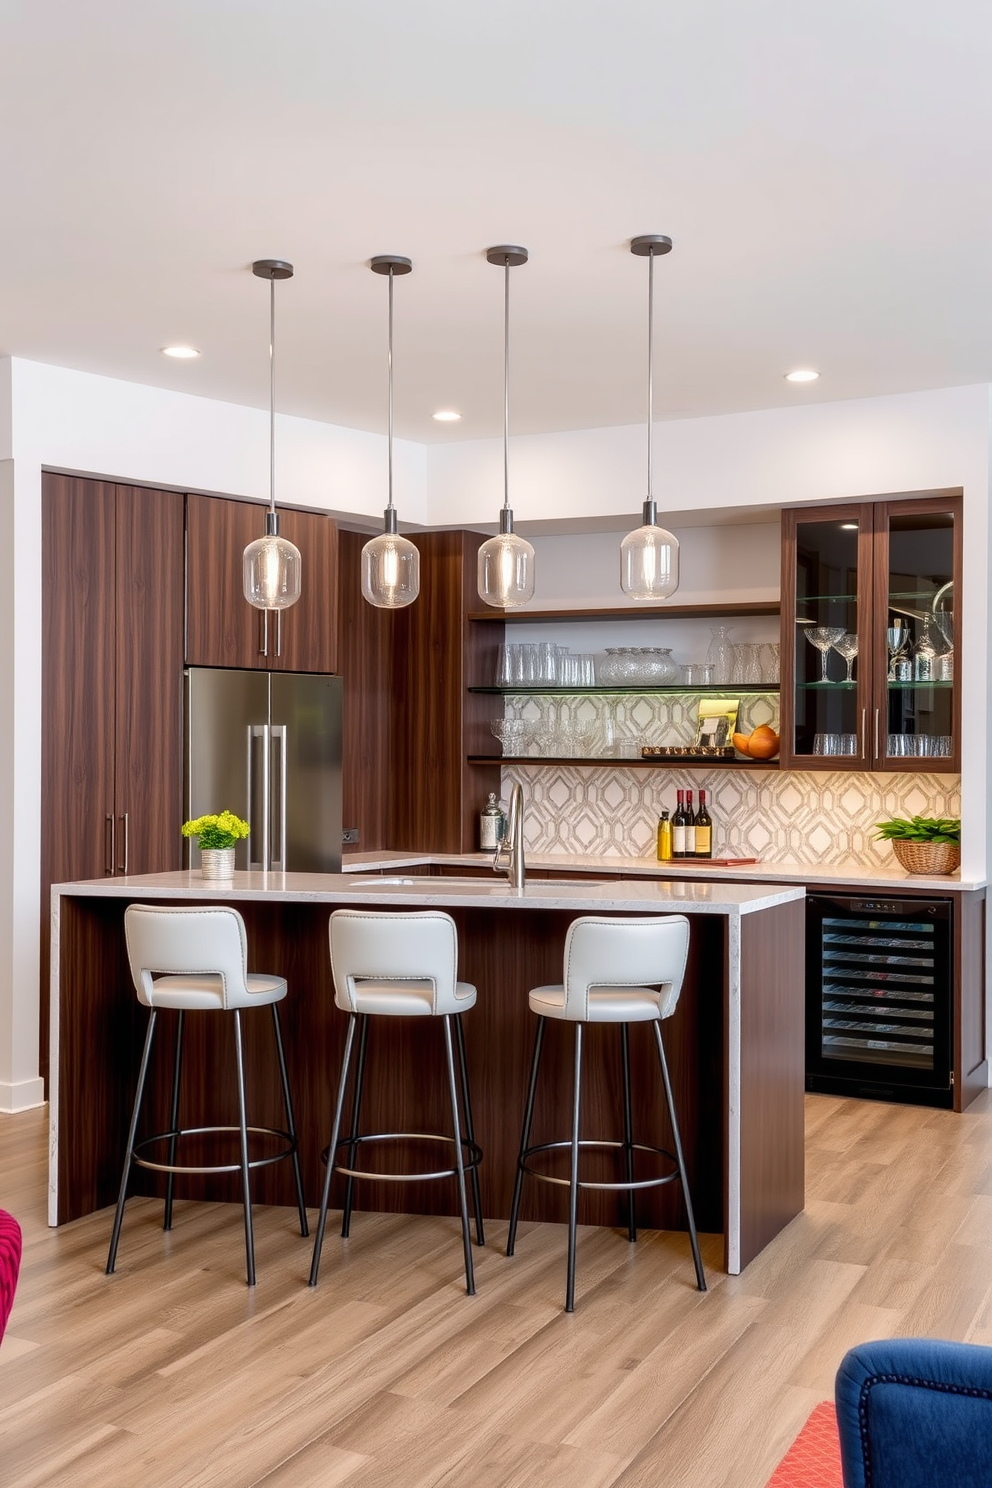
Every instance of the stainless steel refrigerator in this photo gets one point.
(267, 746)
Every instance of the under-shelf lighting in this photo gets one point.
(649, 556)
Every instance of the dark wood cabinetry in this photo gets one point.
(112, 648)
(866, 573)
(222, 629)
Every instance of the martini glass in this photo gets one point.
(847, 645)
(823, 637)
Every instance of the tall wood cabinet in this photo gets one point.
(222, 629)
(112, 652)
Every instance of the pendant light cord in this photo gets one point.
(650, 375)
(506, 384)
(272, 395)
(389, 365)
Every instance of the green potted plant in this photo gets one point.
(924, 844)
(217, 835)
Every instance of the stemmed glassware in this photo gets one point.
(847, 646)
(897, 638)
(824, 637)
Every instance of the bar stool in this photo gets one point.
(400, 965)
(616, 971)
(196, 960)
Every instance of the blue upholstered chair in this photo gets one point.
(915, 1413)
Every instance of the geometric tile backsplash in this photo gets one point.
(774, 816)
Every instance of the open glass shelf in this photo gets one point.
(626, 762)
(675, 689)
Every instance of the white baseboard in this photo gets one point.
(22, 1096)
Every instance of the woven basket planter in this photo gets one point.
(927, 857)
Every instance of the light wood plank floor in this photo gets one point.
(172, 1374)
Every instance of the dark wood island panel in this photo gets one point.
(505, 952)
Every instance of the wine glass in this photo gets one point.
(847, 646)
(896, 638)
(824, 637)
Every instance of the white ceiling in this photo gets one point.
(824, 170)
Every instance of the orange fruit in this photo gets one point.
(741, 742)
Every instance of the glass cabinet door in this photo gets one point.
(916, 708)
(826, 670)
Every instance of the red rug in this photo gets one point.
(813, 1460)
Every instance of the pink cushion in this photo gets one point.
(813, 1460)
(10, 1264)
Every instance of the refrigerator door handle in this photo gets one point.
(277, 733)
(259, 818)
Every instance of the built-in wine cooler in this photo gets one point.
(878, 998)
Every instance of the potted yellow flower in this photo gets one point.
(217, 836)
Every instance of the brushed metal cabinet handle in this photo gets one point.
(864, 729)
(263, 649)
(109, 858)
(278, 632)
(876, 733)
(123, 866)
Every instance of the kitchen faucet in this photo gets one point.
(513, 841)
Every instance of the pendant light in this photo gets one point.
(272, 563)
(506, 561)
(390, 563)
(649, 557)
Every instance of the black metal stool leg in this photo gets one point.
(573, 1185)
(693, 1240)
(243, 1120)
(174, 1120)
(459, 1158)
(628, 1130)
(318, 1242)
(349, 1187)
(480, 1238)
(132, 1133)
(290, 1121)
(511, 1234)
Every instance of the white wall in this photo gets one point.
(75, 421)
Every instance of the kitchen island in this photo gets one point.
(735, 1044)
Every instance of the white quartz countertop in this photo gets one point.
(644, 894)
(808, 874)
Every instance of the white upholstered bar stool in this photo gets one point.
(196, 960)
(616, 971)
(400, 965)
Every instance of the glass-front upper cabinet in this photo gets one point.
(868, 636)
(826, 650)
(916, 716)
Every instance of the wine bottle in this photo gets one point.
(678, 828)
(704, 829)
(690, 827)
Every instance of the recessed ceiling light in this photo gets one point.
(182, 353)
(446, 416)
(802, 374)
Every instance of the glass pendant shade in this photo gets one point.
(649, 563)
(390, 569)
(272, 570)
(506, 571)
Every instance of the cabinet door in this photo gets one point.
(78, 547)
(826, 610)
(304, 638)
(149, 669)
(222, 629)
(916, 709)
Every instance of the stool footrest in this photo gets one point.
(529, 1152)
(472, 1159)
(288, 1148)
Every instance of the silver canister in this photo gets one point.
(492, 824)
